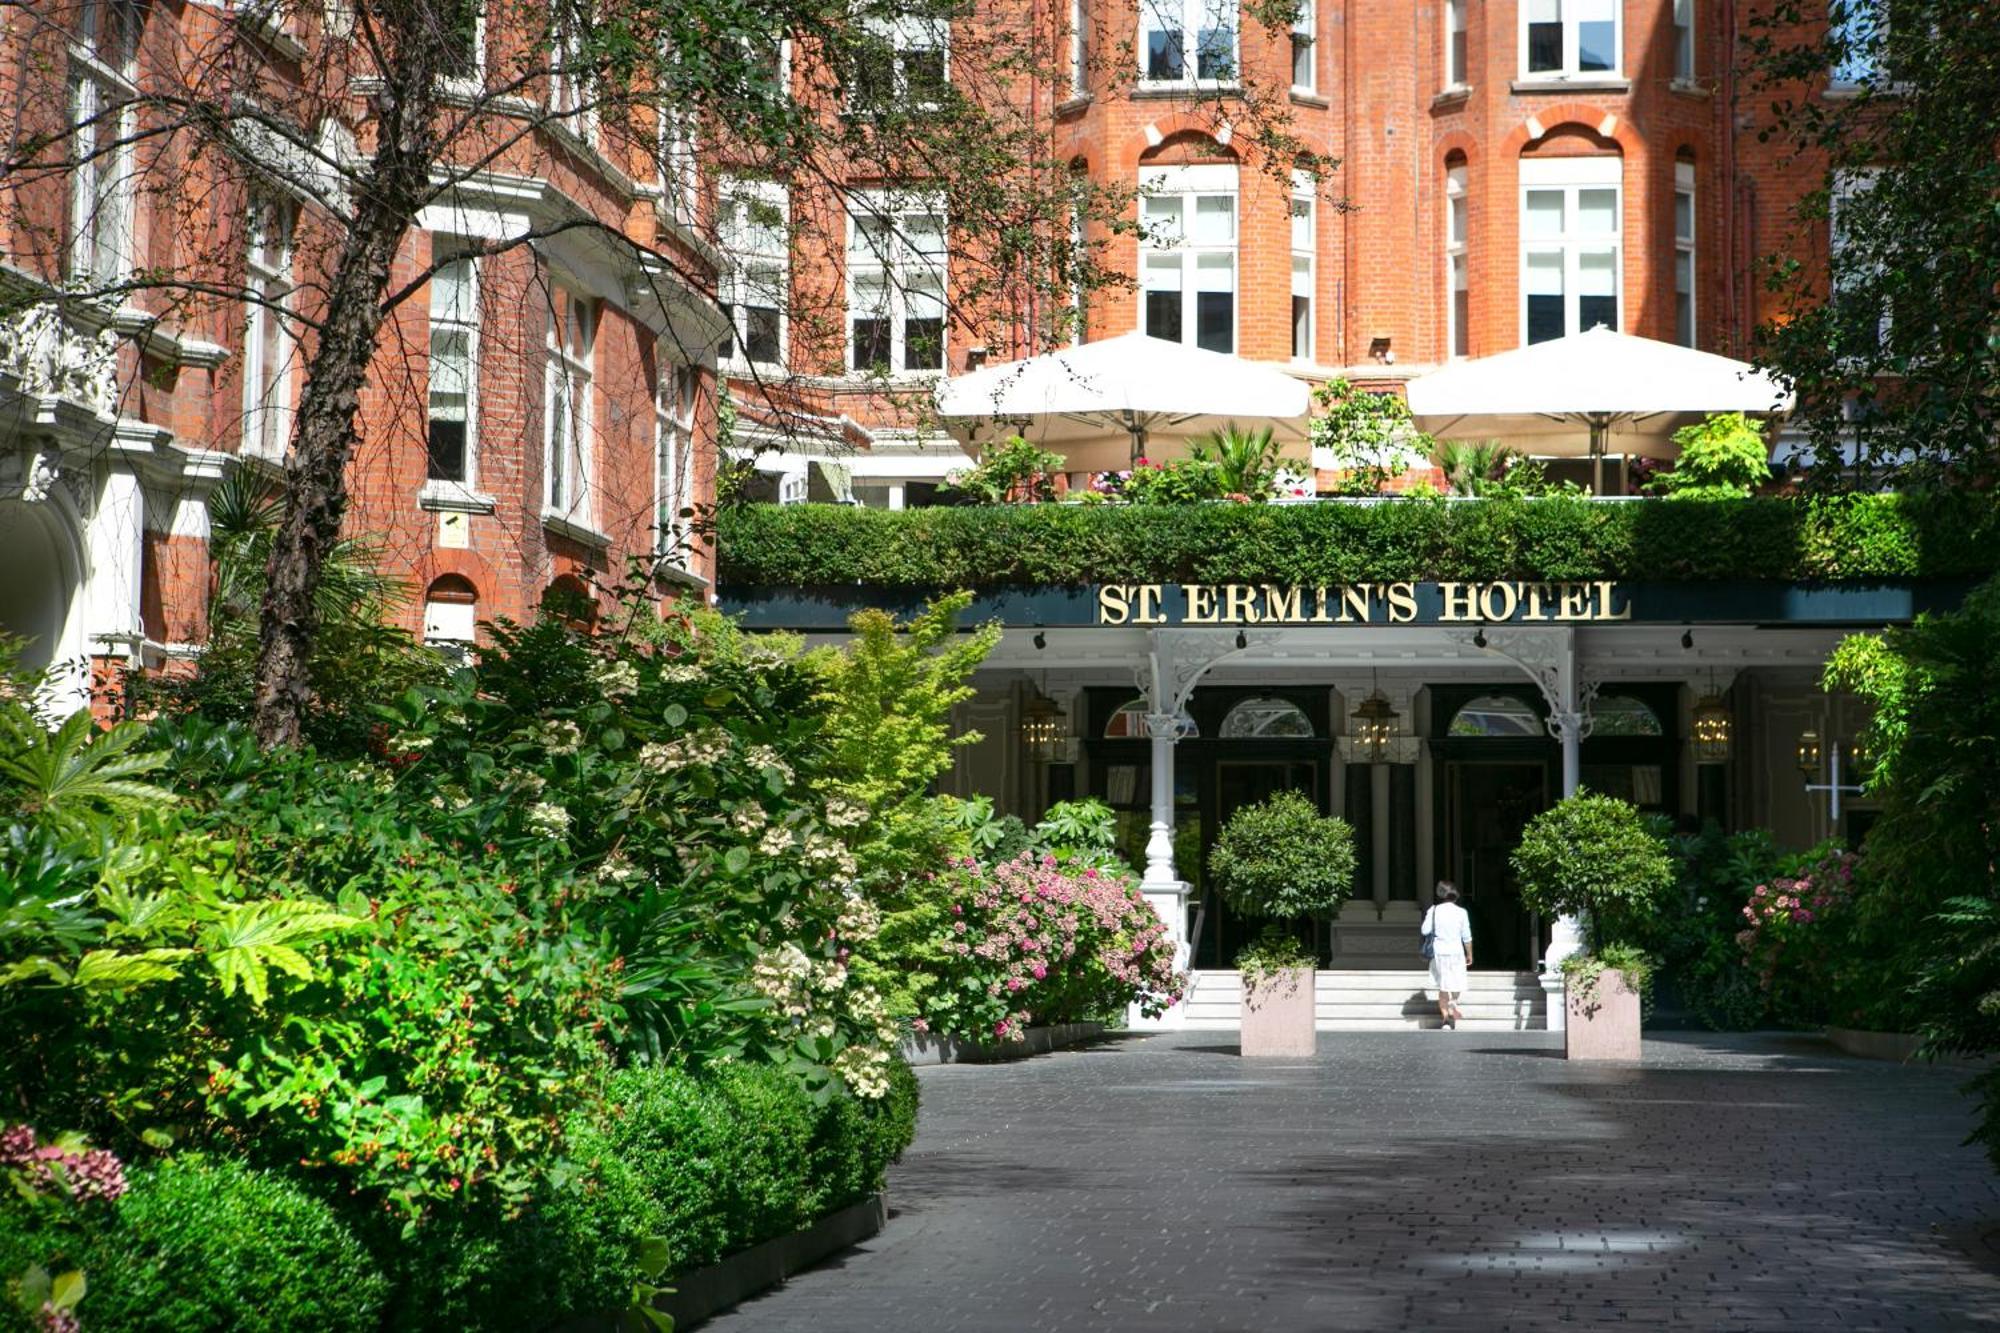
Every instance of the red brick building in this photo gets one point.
(536, 415)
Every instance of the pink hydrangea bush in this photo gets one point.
(1031, 941)
(1786, 917)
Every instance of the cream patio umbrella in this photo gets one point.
(1099, 404)
(1599, 389)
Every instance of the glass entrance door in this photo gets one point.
(1488, 803)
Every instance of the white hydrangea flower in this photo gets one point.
(776, 840)
(615, 679)
(843, 813)
(748, 818)
(549, 819)
(558, 736)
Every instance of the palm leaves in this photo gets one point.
(1473, 467)
(243, 520)
(1246, 461)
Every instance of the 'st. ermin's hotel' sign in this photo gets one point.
(1411, 603)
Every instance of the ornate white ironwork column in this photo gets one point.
(1549, 658)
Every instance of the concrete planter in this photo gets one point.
(928, 1048)
(1901, 1047)
(1278, 1015)
(1602, 1019)
(706, 1291)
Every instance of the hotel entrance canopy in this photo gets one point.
(1599, 389)
(1100, 404)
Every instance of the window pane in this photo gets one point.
(727, 350)
(1545, 297)
(1302, 62)
(1545, 45)
(1684, 318)
(1215, 273)
(1214, 219)
(925, 234)
(446, 450)
(1597, 281)
(1216, 56)
(1301, 275)
(871, 342)
(1597, 212)
(1458, 64)
(1163, 273)
(1458, 216)
(1461, 320)
(1163, 315)
(1301, 326)
(1302, 224)
(1683, 215)
(1163, 219)
(1164, 57)
(451, 292)
(1545, 213)
(1215, 321)
(924, 77)
(761, 337)
(923, 324)
(1596, 46)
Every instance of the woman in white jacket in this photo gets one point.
(1449, 931)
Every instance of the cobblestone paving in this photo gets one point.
(1423, 1181)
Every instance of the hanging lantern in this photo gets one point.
(1712, 730)
(1043, 729)
(1809, 754)
(1374, 726)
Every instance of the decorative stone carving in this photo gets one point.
(54, 359)
(41, 472)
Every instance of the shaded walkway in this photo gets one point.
(1424, 1181)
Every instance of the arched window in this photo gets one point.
(451, 614)
(1497, 715)
(1129, 723)
(1266, 718)
(1622, 715)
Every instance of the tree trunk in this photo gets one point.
(386, 202)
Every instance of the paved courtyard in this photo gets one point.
(1424, 1181)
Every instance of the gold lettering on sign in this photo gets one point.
(1355, 597)
(1402, 600)
(1508, 600)
(1200, 603)
(1283, 604)
(1148, 611)
(1604, 603)
(1239, 602)
(1320, 617)
(1575, 602)
(1536, 591)
(1112, 607)
(1458, 605)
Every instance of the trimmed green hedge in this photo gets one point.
(1857, 537)
(711, 1164)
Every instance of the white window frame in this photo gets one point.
(1305, 265)
(1684, 257)
(739, 239)
(1190, 16)
(679, 163)
(472, 80)
(267, 335)
(465, 323)
(1305, 48)
(451, 627)
(1457, 262)
(673, 457)
(903, 36)
(569, 373)
(1572, 176)
(1191, 184)
(1683, 34)
(103, 71)
(570, 94)
(1571, 26)
(900, 265)
(1079, 48)
(1457, 47)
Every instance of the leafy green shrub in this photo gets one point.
(1181, 481)
(1282, 858)
(1370, 436)
(1722, 458)
(208, 1243)
(1246, 461)
(1593, 856)
(1938, 535)
(1013, 470)
(1276, 950)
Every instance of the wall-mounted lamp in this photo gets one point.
(1479, 637)
(1242, 640)
(1041, 640)
(1687, 638)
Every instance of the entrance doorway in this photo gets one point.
(1487, 804)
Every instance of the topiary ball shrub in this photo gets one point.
(1593, 856)
(1282, 858)
(209, 1243)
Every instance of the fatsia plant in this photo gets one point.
(76, 778)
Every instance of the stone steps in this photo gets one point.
(1382, 1001)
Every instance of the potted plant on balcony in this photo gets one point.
(1593, 857)
(1281, 859)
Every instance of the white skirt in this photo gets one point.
(1448, 972)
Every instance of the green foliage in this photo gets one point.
(74, 778)
(1583, 973)
(1081, 833)
(1595, 857)
(1724, 457)
(1887, 337)
(1246, 461)
(1858, 537)
(201, 1243)
(1193, 480)
(1275, 950)
(1370, 436)
(1013, 471)
(1693, 929)
(1282, 858)
(1473, 468)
